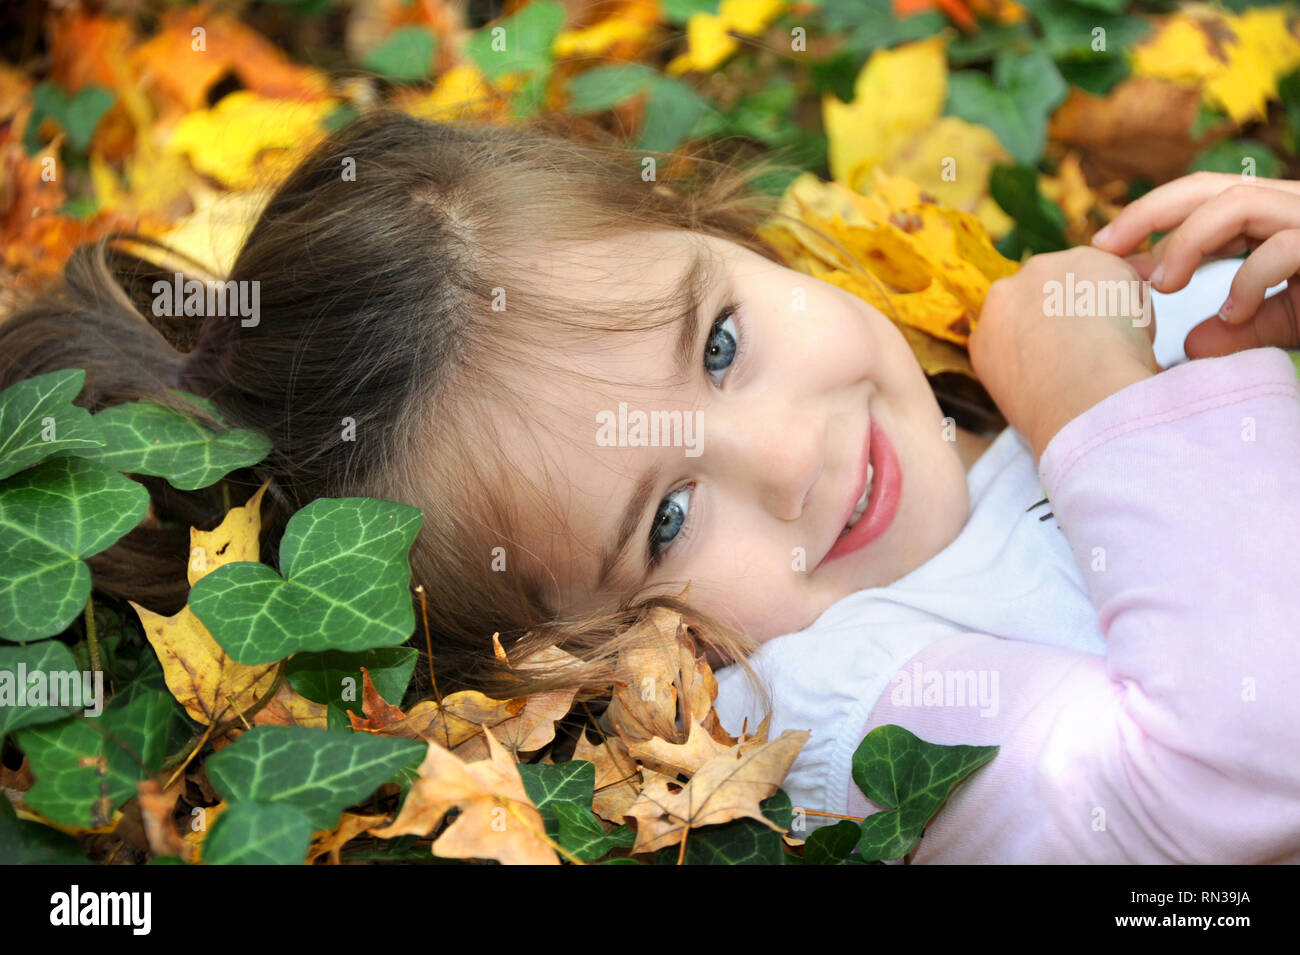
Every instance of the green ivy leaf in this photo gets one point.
(52, 517)
(604, 87)
(874, 24)
(671, 114)
(551, 785)
(677, 12)
(580, 831)
(1068, 28)
(318, 772)
(30, 843)
(673, 111)
(1025, 88)
(142, 437)
(86, 767)
(739, 842)
(406, 54)
(911, 778)
(984, 45)
(1040, 223)
(528, 38)
(322, 677)
(78, 115)
(346, 585)
(259, 833)
(1235, 156)
(26, 662)
(32, 409)
(831, 845)
(1105, 6)
(1097, 76)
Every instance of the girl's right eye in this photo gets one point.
(720, 353)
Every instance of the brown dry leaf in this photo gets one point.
(497, 819)
(289, 708)
(209, 684)
(350, 826)
(528, 730)
(460, 717)
(679, 758)
(618, 780)
(1069, 189)
(648, 679)
(199, 831)
(729, 786)
(156, 807)
(1140, 130)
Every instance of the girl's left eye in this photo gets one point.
(672, 517)
(722, 348)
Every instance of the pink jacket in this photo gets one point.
(1182, 743)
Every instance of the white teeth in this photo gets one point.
(862, 501)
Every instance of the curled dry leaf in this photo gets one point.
(729, 786)
(649, 680)
(618, 779)
(460, 717)
(350, 826)
(288, 708)
(156, 807)
(497, 819)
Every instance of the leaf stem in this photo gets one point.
(510, 808)
(92, 640)
(832, 815)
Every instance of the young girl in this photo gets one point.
(457, 325)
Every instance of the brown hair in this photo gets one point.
(376, 299)
(375, 304)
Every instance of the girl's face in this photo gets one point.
(784, 402)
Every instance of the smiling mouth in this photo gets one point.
(877, 505)
(862, 501)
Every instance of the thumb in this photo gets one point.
(1273, 324)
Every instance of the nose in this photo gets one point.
(777, 451)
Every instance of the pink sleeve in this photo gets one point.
(1180, 498)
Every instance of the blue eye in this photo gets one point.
(721, 349)
(720, 353)
(669, 520)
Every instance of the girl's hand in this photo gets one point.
(1217, 215)
(1044, 368)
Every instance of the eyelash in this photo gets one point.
(656, 551)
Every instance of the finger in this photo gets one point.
(1170, 204)
(1274, 324)
(1276, 260)
(1160, 209)
(1240, 211)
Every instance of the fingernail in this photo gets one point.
(1225, 309)
(1102, 236)
(1158, 275)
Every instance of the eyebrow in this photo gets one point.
(690, 289)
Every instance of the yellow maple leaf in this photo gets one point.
(894, 124)
(1236, 60)
(897, 94)
(200, 675)
(462, 92)
(709, 42)
(247, 140)
(634, 22)
(927, 266)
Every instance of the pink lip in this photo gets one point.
(883, 503)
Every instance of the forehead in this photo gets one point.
(572, 488)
